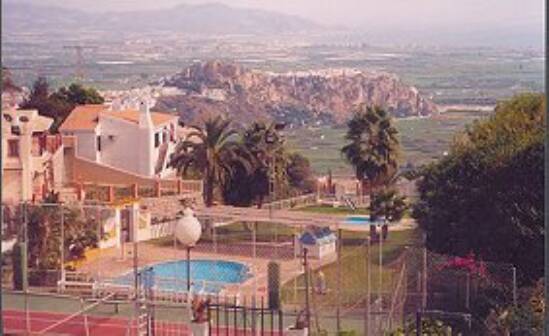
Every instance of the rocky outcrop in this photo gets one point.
(297, 97)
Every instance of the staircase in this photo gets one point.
(349, 202)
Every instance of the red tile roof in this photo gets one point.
(86, 117)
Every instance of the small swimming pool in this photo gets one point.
(359, 220)
(207, 276)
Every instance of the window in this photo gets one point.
(99, 143)
(15, 130)
(156, 140)
(13, 148)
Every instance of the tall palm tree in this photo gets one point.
(265, 146)
(372, 147)
(211, 151)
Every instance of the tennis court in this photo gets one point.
(64, 315)
(50, 314)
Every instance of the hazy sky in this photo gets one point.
(366, 13)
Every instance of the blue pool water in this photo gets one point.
(208, 276)
(359, 220)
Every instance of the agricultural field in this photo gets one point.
(423, 140)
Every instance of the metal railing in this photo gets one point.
(293, 202)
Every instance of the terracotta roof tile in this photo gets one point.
(85, 117)
(82, 117)
(158, 118)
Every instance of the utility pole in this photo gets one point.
(62, 243)
(272, 181)
(138, 304)
(135, 267)
(26, 270)
(307, 305)
(368, 288)
(467, 290)
(419, 326)
(189, 247)
(424, 285)
(79, 62)
(272, 137)
(514, 286)
(338, 288)
(380, 262)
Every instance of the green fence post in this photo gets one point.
(273, 270)
(20, 270)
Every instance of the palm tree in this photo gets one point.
(388, 204)
(211, 151)
(265, 146)
(372, 147)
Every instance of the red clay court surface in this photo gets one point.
(14, 324)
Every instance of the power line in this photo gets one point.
(79, 62)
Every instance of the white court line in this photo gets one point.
(44, 319)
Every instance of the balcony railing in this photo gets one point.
(111, 193)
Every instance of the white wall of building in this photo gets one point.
(12, 181)
(58, 165)
(86, 144)
(119, 144)
(148, 153)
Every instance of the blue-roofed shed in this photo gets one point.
(319, 241)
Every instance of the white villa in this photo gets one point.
(134, 140)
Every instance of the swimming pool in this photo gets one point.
(207, 276)
(360, 220)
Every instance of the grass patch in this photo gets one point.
(354, 265)
(240, 232)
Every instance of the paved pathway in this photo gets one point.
(289, 217)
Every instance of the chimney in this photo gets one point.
(145, 120)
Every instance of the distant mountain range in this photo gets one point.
(18, 16)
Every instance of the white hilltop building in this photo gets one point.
(134, 140)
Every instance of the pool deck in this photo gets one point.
(112, 263)
(109, 263)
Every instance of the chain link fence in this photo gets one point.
(335, 278)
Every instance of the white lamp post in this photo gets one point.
(187, 232)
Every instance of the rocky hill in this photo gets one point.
(298, 97)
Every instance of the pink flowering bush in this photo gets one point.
(468, 264)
